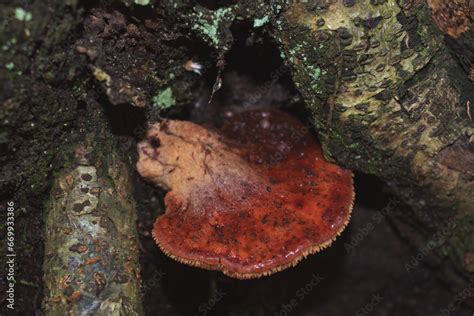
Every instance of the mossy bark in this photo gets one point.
(36, 116)
(91, 243)
(389, 99)
(49, 99)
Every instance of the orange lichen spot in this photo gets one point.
(79, 248)
(56, 299)
(92, 260)
(452, 17)
(69, 179)
(251, 199)
(65, 281)
(74, 297)
(95, 190)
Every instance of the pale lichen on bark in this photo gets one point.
(91, 253)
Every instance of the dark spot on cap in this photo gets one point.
(310, 173)
(329, 216)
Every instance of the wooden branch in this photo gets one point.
(91, 253)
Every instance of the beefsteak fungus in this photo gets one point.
(250, 199)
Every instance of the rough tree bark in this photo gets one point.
(91, 244)
(48, 104)
(389, 92)
(36, 116)
(387, 96)
(389, 99)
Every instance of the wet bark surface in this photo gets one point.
(389, 94)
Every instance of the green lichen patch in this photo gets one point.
(10, 66)
(164, 99)
(258, 22)
(9, 43)
(23, 15)
(211, 24)
(142, 2)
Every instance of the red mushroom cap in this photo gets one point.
(250, 200)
